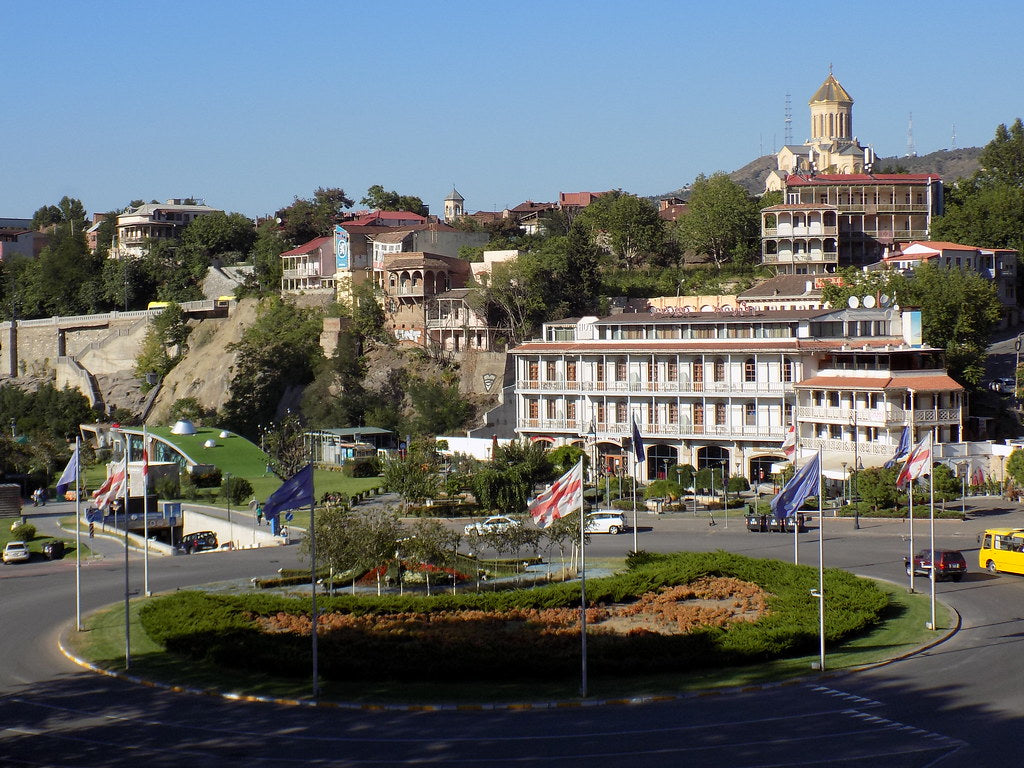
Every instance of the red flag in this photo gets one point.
(789, 444)
(562, 497)
(919, 462)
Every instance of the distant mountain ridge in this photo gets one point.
(950, 164)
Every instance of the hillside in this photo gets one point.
(949, 164)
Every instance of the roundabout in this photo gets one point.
(937, 707)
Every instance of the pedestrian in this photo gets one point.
(259, 514)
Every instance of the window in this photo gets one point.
(672, 371)
(532, 408)
(620, 413)
(719, 369)
(749, 370)
(720, 414)
(698, 417)
(532, 371)
(750, 414)
(550, 410)
(673, 413)
(570, 371)
(549, 371)
(787, 369)
(570, 410)
(600, 370)
(620, 370)
(600, 413)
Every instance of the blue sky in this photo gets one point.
(249, 104)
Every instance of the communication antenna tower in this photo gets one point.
(953, 145)
(789, 121)
(911, 152)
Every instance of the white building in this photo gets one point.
(152, 222)
(719, 389)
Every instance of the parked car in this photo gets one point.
(496, 524)
(605, 521)
(1005, 385)
(16, 552)
(53, 549)
(200, 541)
(950, 564)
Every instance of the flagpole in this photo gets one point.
(913, 443)
(583, 587)
(78, 532)
(635, 547)
(312, 610)
(931, 534)
(821, 574)
(145, 510)
(127, 621)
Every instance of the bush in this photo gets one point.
(228, 629)
(209, 477)
(23, 531)
(361, 467)
(237, 490)
(167, 487)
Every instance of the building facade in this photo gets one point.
(830, 221)
(138, 227)
(720, 389)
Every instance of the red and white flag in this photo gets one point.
(111, 488)
(919, 462)
(789, 444)
(562, 497)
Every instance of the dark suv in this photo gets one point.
(949, 564)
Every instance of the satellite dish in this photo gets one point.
(868, 301)
(883, 300)
(853, 302)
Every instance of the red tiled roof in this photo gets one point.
(309, 247)
(388, 216)
(925, 382)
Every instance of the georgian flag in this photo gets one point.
(919, 462)
(112, 488)
(562, 497)
(789, 444)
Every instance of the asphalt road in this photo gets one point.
(958, 703)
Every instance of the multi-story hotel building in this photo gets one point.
(719, 389)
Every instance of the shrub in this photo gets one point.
(207, 477)
(237, 490)
(478, 627)
(167, 487)
(23, 531)
(361, 468)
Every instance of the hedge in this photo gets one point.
(223, 628)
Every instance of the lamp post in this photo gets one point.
(843, 465)
(857, 464)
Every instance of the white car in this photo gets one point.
(605, 521)
(16, 552)
(496, 524)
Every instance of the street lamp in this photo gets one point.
(843, 465)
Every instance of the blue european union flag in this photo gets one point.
(295, 492)
(901, 450)
(803, 484)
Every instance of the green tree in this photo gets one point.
(306, 219)
(501, 488)
(433, 545)
(415, 476)
(876, 486)
(1002, 159)
(439, 407)
(356, 542)
(381, 199)
(1015, 466)
(984, 215)
(565, 457)
(722, 221)
(165, 342)
(266, 259)
(280, 349)
(284, 442)
(630, 223)
(219, 234)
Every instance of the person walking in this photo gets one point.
(259, 514)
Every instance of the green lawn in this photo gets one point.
(36, 544)
(103, 644)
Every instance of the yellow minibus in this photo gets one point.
(1002, 550)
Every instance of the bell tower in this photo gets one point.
(453, 207)
(831, 112)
